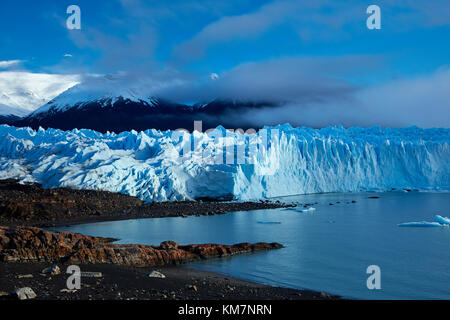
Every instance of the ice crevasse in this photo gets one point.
(163, 166)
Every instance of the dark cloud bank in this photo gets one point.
(314, 92)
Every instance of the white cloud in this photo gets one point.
(422, 101)
(231, 27)
(9, 64)
(319, 19)
(26, 91)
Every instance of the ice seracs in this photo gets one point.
(304, 160)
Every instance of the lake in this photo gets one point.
(328, 249)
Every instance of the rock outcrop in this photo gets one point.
(30, 244)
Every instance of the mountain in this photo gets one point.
(9, 119)
(9, 115)
(107, 104)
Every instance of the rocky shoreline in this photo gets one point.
(33, 260)
(33, 205)
(33, 263)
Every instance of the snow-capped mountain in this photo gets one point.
(111, 104)
(23, 92)
(108, 90)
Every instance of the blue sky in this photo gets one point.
(192, 39)
(35, 32)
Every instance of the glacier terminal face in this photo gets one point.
(169, 166)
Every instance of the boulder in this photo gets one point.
(25, 293)
(156, 274)
(169, 245)
(53, 270)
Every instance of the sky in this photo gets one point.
(318, 57)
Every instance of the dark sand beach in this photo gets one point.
(131, 283)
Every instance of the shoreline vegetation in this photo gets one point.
(125, 271)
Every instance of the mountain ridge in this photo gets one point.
(119, 114)
(112, 103)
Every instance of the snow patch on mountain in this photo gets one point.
(304, 160)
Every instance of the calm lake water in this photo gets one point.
(328, 249)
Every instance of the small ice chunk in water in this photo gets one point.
(442, 220)
(269, 222)
(307, 209)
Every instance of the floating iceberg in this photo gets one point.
(442, 220)
(420, 224)
(439, 221)
(303, 160)
(269, 222)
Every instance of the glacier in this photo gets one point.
(174, 166)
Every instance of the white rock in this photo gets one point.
(156, 274)
(24, 293)
(68, 290)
